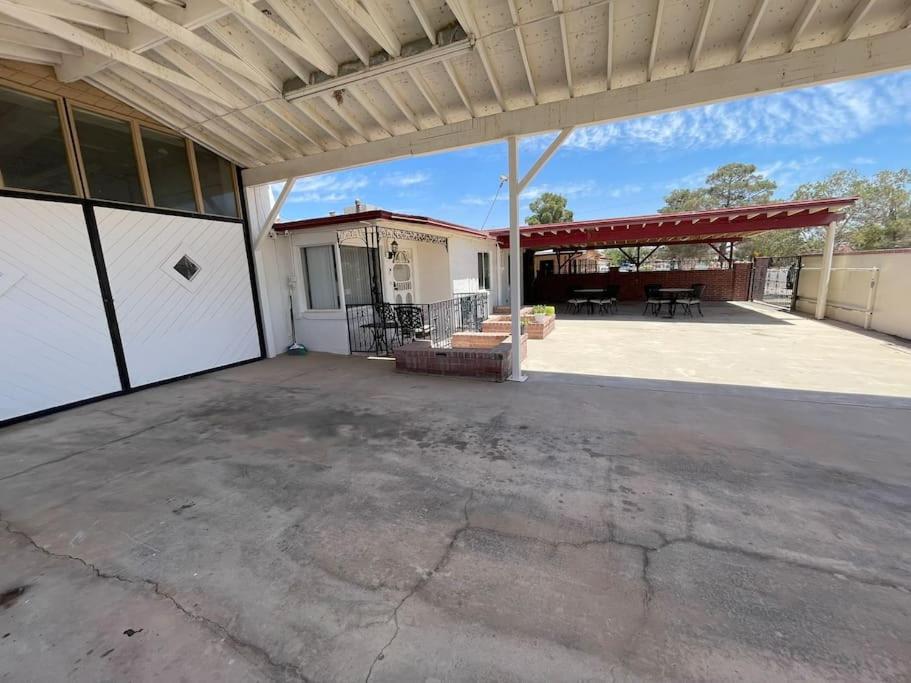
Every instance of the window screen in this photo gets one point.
(321, 277)
(106, 146)
(169, 170)
(483, 270)
(32, 148)
(216, 181)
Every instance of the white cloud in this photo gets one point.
(822, 115)
(568, 190)
(863, 161)
(406, 179)
(329, 188)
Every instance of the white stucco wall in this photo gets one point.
(463, 265)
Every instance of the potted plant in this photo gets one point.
(550, 311)
(540, 313)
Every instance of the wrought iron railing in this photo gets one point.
(381, 328)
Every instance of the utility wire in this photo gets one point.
(503, 179)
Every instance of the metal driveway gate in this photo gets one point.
(775, 281)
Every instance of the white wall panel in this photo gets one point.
(55, 346)
(171, 325)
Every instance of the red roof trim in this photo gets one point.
(379, 214)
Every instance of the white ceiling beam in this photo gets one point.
(142, 38)
(656, 34)
(847, 59)
(609, 66)
(149, 17)
(432, 55)
(424, 20)
(699, 40)
(467, 20)
(393, 92)
(27, 53)
(379, 17)
(564, 45)
(320, 122)
(22, 35)
(421, 83)
(857, 16)
(348, 117)
(803, 20)
(293, 15)
(340, 24)
(750, 32)
(87, 16)
(264, 123)
(289, 114)
(386, 40)
(362, 99)
(523, 51)
(90, 41)
(248, 48)
(459, 88)
(313, 53)
(141, 83)
(285, 56)
(187, 62)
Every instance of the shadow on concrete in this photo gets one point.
(720, 389)
(715, 312)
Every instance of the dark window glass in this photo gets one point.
(356, 269)
(169, 170)
(216, 181)
(32, 149)
(108, 157)
(483, 270)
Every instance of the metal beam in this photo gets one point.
(825, 272)
(515, 261)
(544, 158)
(273, 213)
(846, 59)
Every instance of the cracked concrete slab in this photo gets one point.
(322, 518)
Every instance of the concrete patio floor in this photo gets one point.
(323, 518)
(733, 344)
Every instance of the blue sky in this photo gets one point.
(626, 168)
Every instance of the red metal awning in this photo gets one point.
(690, 227)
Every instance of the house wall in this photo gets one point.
(463, 265)
(433, 278)
(891, 313)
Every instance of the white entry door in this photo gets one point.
(55, 343)
(181, 290)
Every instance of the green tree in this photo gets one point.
(733, 184)
(881, 218)
(549, 207)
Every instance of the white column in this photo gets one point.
(825, 272)
(515, 261)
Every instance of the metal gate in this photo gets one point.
(775, 281)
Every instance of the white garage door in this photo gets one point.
(55, 344)
(182, 293)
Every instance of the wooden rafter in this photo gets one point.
(857, 16)
(747, 38)
(609, 46)
(424, 21)
(699, 40)
(80, 14)
(458, 87)
(564, 45)
(656, 34)
(340, 24)
(803, 20)
(523, 50)
(384, 36)
(421, 83)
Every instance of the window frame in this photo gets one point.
(191, 167)
(238, 206)
(66, 133)
(305, 300)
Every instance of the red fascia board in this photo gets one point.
(678, 233)
(693, 217)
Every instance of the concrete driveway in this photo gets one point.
(324, 519)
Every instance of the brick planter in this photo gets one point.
(478, 340)
(489, 364)
(534, 330)
(506, 310)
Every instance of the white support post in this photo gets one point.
(825, 272)
(516, 186)
(515, 261)
(273, 214)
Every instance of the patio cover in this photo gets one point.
(691, 227)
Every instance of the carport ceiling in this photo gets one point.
(295, 87)
(691, 227)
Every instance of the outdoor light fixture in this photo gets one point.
(393, 250)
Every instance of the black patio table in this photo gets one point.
(674, 293)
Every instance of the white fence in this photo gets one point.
(871, 289)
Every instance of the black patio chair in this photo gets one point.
(411, 322)
(654, 300)
(576, 301)
(384, 319)
(694, 299)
